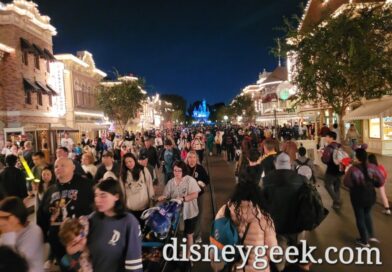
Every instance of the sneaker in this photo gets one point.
(387, 211)
(362, 244)
(374, 240)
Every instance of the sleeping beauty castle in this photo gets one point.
(201, 113)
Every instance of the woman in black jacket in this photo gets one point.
(198, 172)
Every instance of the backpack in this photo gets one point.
(364, 195)
(224, 232)
(304, 169)
(338, 156)
(310, 211)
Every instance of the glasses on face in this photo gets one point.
(177, 170)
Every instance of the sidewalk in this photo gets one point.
(382, 159)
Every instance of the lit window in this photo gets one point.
(374, 128)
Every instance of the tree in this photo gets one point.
(178, 104)
(121, 102)
(218, 111)
(243, 106)
(346, 58)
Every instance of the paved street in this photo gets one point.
(337, 230)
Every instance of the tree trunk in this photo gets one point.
(341, 124)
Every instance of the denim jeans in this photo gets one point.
(332, 185)
(364, 223)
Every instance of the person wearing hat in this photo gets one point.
(280, 196)
(144, 161)
(108, 164)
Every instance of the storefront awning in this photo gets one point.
(278, 117)
(26, 46)
(46, 89)
(39, 51)
(52, 91)
(30, 86)
(49, 56)
(60, 127)
(371, 109)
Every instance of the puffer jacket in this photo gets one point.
(261, 232)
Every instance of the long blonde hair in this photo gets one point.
(192, 153)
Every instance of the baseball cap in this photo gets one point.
(283, 161)
(142, 155)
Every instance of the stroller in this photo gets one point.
(161, 224)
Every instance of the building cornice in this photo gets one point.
(72, 61)
(26, 15)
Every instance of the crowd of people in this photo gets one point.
(89, 202)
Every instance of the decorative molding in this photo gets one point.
(6, 48)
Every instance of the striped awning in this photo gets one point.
(371, 109)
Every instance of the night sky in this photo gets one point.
(199, 49)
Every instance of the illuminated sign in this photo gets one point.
(56, 81)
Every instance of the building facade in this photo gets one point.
(154, 113)
(272, 96)
(373, 118)
(81, 79)
(26, 57)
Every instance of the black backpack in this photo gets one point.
(311, 211)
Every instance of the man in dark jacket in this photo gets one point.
(229, 143)
(143, 161)
(72, 196)
(333, 174)
(151, 152)
(108, 164)
(267, 161)
(169, 155)
(12, 179)
(280, 197)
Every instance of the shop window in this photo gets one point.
(25, 58)
(375, 128)
(28, 97)
(387, 128)
(36, 62)
(39, 98)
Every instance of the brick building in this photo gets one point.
(26, 95)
